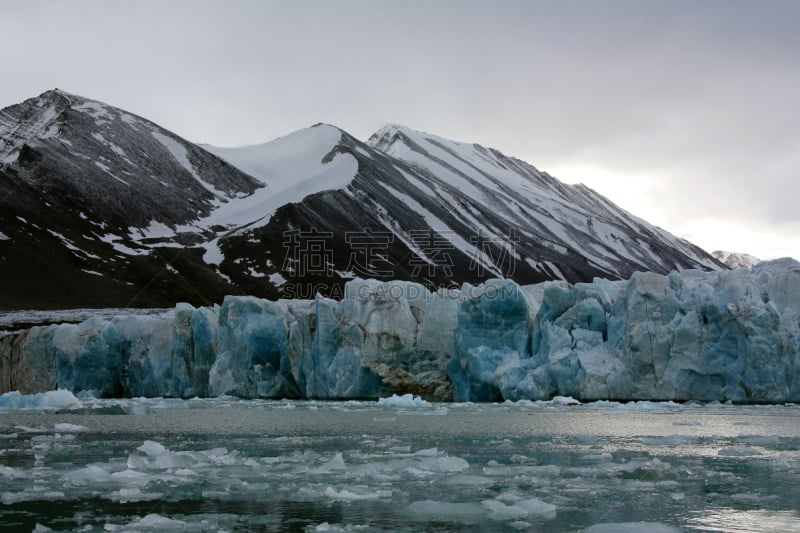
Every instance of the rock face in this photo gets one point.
(730, 335)
(106, 209)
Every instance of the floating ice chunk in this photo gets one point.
(644, 405)
(557, 401)
(784, 462)
(131, 477)
(56, 399)
(632, 527)
(428, 452)
(153, 522)
(91, 474)
(69, 428)
(151, 447)
(336, 463)
(443, 464)
(500, 511)
(564, 400)
(10, 472)
(530, 508)
(406, 400)
(738, 451)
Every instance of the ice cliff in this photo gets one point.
(689, 335)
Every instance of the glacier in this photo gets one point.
(690, 335)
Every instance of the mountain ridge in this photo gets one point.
(146, 218)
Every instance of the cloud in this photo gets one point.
(698, 100)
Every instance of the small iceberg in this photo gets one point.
(54, 399)
(406, 400)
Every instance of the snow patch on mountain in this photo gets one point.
(155, 230)
(105, 168)
(293, 167)
(280, 162)
(97, 110)
(114, 241)
(179, 152)
(213, 254)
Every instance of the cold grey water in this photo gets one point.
(399, 465)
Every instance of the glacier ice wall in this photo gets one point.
(691, 335)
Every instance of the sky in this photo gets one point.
(684, 112)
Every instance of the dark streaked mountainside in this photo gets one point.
(102, 208)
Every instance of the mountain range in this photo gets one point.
(103, 208)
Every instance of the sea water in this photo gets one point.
(399, 465)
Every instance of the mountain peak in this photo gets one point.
(35, 118)
(57, 97)
(735, 259)
(387, 135)
(59, 93)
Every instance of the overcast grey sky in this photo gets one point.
(684, 112)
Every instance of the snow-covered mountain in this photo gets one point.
(735, 259)
(104, 208)
(88, 193)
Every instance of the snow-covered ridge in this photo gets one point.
(292, 168)
(525, 198)
(728, 335)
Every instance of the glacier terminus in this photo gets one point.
(691, 335)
